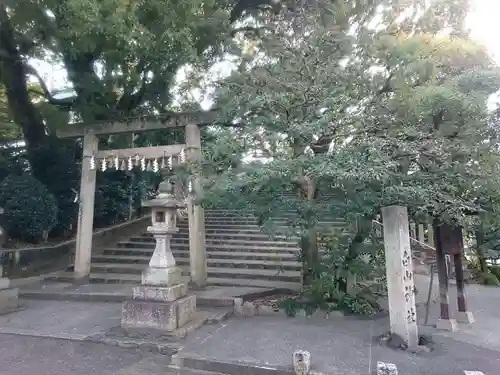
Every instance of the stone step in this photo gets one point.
(133, 279)
(276, 264)
(217, 238)
(239, 273)
(130, 258)
(252, 232)
(219, 248)
(254, 237)
(210, 242)
(281, 219)
(243, 222)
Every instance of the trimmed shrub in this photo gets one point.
(490, 279)
(30, 209)
(495, 270)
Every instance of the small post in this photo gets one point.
(429, 295)
(421, 233)
(86, 209)
(413, 230)
(462, 316)
(399, 270)
(430, 235)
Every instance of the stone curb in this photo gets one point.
(151, 346)
(83, 297)
(192, 362)
(60, 336)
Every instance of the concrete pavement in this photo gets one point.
(339, 345)
(44, 356)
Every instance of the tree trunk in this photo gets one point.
(24, 113)
(50, 161)
(363, 229)
(309, 237)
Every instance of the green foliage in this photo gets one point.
(30, 209)
(408, 130)
(119, 195)
(61, 175)
(490, 279)
(495, 270)
(369, 117)
(291, 306)
(9, 131)
(351, 275)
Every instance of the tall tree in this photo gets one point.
(371, 115)
(121, 58)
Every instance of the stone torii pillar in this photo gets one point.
(449, 240)
(399, 270)
(196, 215)
(83, 253)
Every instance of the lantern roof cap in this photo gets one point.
(165, 197)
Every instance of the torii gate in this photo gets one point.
(192, 122)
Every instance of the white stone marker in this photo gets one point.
(301, 362)
(399, 271)
(384, 368)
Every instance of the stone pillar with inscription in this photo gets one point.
(399, 271)
(161, 301)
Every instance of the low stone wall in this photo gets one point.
(253, 308)
(29, 261)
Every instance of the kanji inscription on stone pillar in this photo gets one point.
(399, 270)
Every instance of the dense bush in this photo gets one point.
(30, 209)
(489, 279)
(351, 276)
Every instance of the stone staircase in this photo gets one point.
(239, 253)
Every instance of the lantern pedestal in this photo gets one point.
(161, 301)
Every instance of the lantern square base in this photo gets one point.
(161, 276)
(159, 293)
(165, 316)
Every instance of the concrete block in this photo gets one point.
(161, 276)
(249, 309)
(465, 317)
(159, 293)
(238, 306)
(447, 325)
(186, 307)
(167, 316)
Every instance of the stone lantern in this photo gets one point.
(161, 301)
